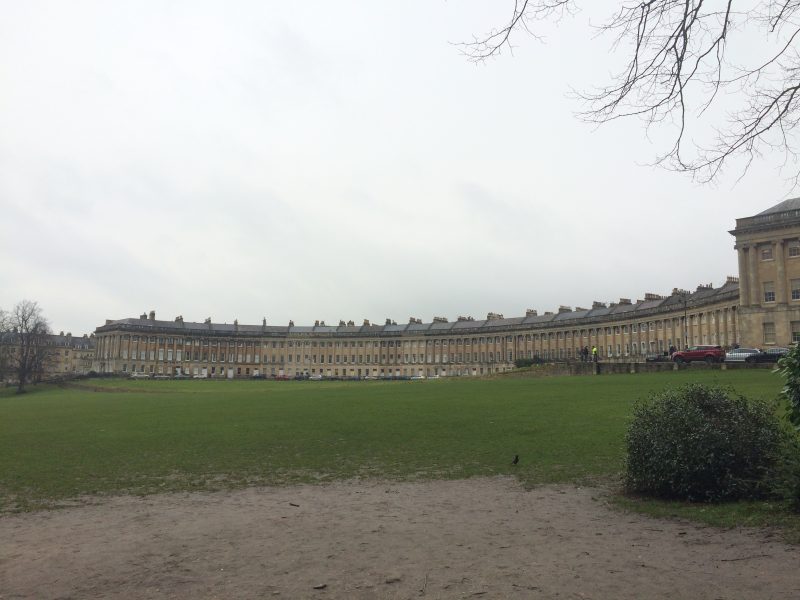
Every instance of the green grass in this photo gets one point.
(121, 436)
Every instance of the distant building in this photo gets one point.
(769, 273)
(64, 356)
(70, 355)
(761, 308)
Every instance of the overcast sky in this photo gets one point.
(330, 160)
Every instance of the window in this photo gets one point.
(794, 249)
(766, 253)
(769, 333)
(795, 332)
(769, 291)
(795, 283)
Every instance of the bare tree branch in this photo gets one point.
(524, 14)
(678, 66)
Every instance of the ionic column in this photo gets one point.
(744, 288)
(752, 275)
(780, 273)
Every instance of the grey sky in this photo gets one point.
(330, 161)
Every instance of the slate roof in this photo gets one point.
(791, 204)
(645, 309)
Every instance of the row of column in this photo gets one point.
(750, 286)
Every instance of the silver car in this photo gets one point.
(739, 354)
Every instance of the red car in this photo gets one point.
(709, 354)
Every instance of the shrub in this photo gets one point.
(698, 443)
(789, 368)
(787, 474)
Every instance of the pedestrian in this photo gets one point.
(594, 353)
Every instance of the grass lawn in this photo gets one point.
(123, 436)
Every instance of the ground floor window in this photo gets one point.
(769, 333)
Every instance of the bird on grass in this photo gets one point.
(516, 459)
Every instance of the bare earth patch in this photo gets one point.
(477, 538)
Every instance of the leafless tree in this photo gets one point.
(29, 340)
(683, 57)
(5, 345)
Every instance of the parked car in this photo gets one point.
(140, 376)
(740, 354)
(709, 354)
(767, 356)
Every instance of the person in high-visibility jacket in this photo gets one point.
(594, 353)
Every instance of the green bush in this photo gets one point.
(787, 474)
(699, 443)
(789, 368)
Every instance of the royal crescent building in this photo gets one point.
(760, 308)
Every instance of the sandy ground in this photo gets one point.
(480, 538)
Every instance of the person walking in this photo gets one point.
(594, 353)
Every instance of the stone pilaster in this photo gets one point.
(780, 273)
(744, 290)
(752, 276)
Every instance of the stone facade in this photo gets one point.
(69, 355)
(623, 330)
(760, 308)
(768, 245)
(64, 356)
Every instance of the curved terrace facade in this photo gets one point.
(621, 331)
(763, 310)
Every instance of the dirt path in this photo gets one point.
(480, 538)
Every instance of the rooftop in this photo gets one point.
(705, 294)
